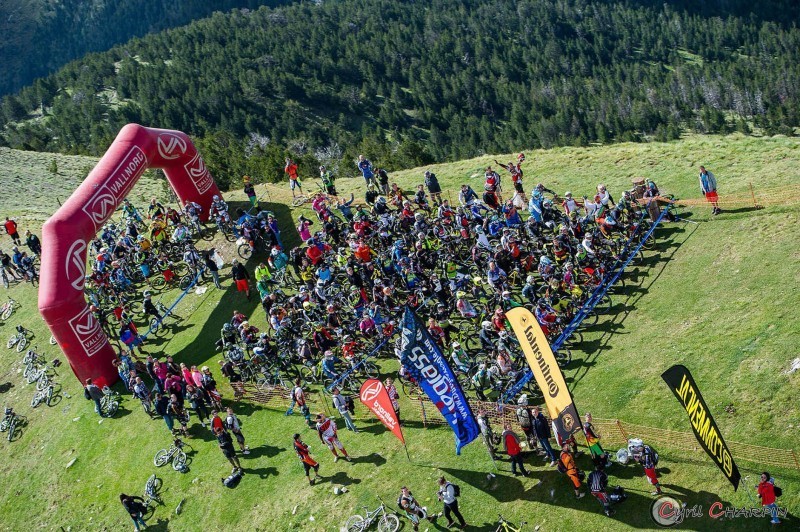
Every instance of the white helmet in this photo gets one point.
(487, 325)
(418, 216)
(531, 279)
(523, 400)
(623, 456)
(215, 198)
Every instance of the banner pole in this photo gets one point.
(407, 455)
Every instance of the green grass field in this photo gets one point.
(720, 297)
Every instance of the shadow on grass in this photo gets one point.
(265, 450)
(342, 478)
(373, 458)
(634, 293)
(262, 472)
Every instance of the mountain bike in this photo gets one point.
(11, 422)
(159, 325)
(175, 453)
(505, 526)
(44, 395)
(19, 339)
(109, 404)
(151, 489)
(387, 521)
(8, 308)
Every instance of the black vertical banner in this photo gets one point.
(682, 384)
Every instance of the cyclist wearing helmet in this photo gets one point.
(420, 199)
(327, 180)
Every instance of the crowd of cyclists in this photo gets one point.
(333, 302)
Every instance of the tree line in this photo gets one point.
(407, 83)
(39, 36)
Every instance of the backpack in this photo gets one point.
(456, 490)
(654, 455)
(350, 404)
(561, 467)
(86, 394)
(778, 491)
(618, 494)
(232, 480)
(524, 418)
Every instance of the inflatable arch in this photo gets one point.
(67, 234)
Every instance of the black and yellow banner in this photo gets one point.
(546, 371)
(682, 384)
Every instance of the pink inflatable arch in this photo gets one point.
(67, 234)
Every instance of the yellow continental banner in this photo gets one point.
(545, 369)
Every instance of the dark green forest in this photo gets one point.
(39, 36)
(411, 82)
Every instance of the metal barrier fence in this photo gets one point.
(614, 433)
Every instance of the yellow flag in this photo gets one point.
(546, 371)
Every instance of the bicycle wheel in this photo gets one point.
(155, 326)
(186, 282)
(308, 375)
(388, 523)
(53, 340)
(244, 251)
(370, 370)
(155, 484)
(21, 344)
(355, 523)
(180, 269)
(43, 382)
(464, 381)
(159, 283)
(563, 357)
(179, 461)
(296, 202)
(37, 400)
(161, 458)
(12, 341)
(112, 408)
(7, 312)
(5, 280)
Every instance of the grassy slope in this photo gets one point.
(724, 305)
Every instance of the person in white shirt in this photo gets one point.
(447, 494)
(341, 405)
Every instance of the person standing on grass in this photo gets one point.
(592, 438)
(340, 403)
(598, 482)
(512, 447)
(226, 446)
(11, 229)
(94, 393)
(33, 242)
(434, 189)
(299, 399)
(326, 429)
(198, 403)
(366, 170)
(305, 458)
(447, 494)
(649, 460)
(162, 409)
(708, 186)
(142, 392)
(294, 182)
(233, 424)
(211, 266)
(542, 429)
(394, 396)
(250, 191)
(567, 466)
(241, 278)
(766, 492)
(135, 508)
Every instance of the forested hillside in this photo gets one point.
(412, 82)
(39, 36)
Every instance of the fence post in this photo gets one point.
(621, 430)
(422, 411)
(753, 195)
(796, 463)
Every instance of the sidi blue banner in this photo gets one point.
(423, 360)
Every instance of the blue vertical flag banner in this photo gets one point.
(424, 362)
